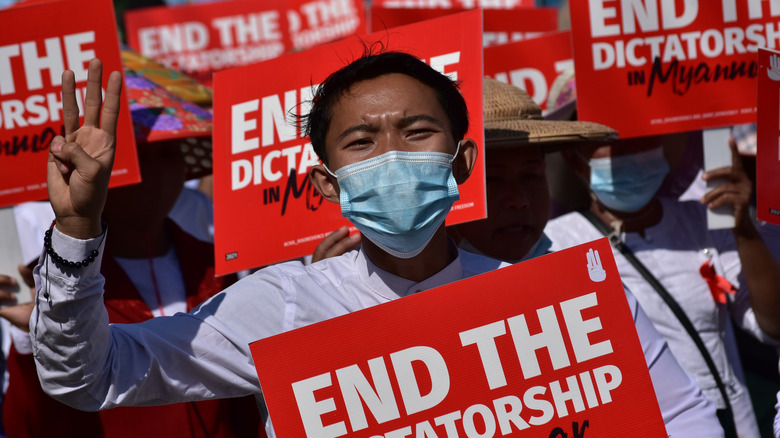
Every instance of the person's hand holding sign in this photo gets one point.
(80, 164)
(761, 270)
(735, 189)
(336, 244)
(774, 68)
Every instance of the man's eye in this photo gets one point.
(418, 132)
(359, 142)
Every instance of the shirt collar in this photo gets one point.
(391, 286)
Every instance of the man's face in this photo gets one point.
(391, 112)
(518, 203)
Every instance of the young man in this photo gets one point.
(385, 123)
(363, 113)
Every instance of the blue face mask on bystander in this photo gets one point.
(398, 199)
(628, 182)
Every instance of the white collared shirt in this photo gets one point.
(205, 354)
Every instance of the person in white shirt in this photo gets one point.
(387, 113)
(715, 276)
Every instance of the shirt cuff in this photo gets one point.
(75, 250)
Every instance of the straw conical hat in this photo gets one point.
(512, 118)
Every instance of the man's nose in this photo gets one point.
(389, 141)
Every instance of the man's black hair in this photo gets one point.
(315, 125)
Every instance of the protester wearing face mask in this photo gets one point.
(712, 276)
(380, 109)
(518, 202)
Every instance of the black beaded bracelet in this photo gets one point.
(61, 261)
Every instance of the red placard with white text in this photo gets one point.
(501, 26)
(531, 64)
(768, 127)
(314, 22)
(530, 350)
(649, 67)
(199, 39)
(36, 46)
(452, 4)
(266, 210)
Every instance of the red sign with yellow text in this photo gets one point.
(531, 64)
(36, 46)
(501, 26)
(768, 148)
(261, 188)
(530, 350)
(649, 67)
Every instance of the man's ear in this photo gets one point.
(464, 162)
(324, 182)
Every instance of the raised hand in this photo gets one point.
(80, 164)
(735, 189)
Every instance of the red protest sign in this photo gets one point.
(531, 64)
(32, 59)
(261, 161)
(501, 26)
(199, 39)
(451, 362)
(451, 4)
(649, 67)
(768, 131)
(314, 22)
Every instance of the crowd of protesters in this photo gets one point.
(140, 337)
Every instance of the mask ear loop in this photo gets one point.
(457, 151)
(328, 170)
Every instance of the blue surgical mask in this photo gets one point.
(399, 199)
(628, 182)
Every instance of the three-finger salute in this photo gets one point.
(80, 163)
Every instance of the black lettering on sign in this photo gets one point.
(313, 197)
(577, 432)
(35, 143)
(682, 77)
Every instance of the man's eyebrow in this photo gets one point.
(355, 128)
(406, 121)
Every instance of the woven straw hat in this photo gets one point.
(512, 118)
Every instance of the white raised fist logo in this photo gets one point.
(774, 68)
(595, 271)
